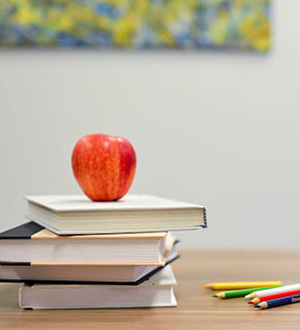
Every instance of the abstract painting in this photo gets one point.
(137, 24)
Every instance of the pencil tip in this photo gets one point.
(256, 306)
(206, 286)
(250, 302)
(215, 296)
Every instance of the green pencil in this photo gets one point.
(239, 293)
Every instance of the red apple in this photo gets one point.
(104, 166)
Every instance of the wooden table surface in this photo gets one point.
(196, 308)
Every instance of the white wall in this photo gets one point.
(212, 128)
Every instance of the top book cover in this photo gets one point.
(76, 214)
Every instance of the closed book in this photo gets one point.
(33, 244)
(67, 215)
(155, 292)
(80, 274)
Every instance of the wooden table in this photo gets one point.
(196, 308)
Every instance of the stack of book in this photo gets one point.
(75, 253)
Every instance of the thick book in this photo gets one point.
(155, 292)
(73, 215)
(32, 243)
(81, 274)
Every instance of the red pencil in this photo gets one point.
(257, 300)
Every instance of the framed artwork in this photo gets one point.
(137, 24)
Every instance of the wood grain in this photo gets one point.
(196, 308)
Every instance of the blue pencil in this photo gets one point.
(279, 302)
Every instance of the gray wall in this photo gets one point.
(212, 128)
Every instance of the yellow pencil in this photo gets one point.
(240, 285)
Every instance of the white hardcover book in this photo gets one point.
(155, 292)
(33, 244)
(118, 274)
(77, 214)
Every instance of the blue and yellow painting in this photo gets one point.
(137, 24)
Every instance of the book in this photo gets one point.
(155, 292)
(33, 244)
(70, 215)
(80, 274)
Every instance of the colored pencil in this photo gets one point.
(258, 300)
(279, 302)
(237, 293)
(240, 285)
(267, 292)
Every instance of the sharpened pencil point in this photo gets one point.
(250, 302)
(256, 306)
(215, 296)
(206, 286)
(255, 301)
